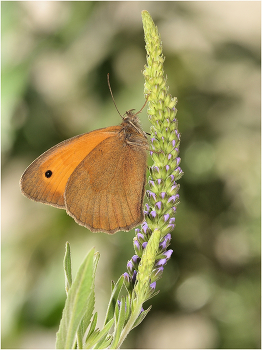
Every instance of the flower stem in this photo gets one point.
(152, 240)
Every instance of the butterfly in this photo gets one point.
(98, 177)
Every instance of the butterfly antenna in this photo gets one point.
(113, 96)
(143, 106)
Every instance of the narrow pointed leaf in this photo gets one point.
(67, 268)
(120, 323)
(127, 307)
(112, 285)
(93, 326)
(87, 316)
(151, 296)
(113, 299)
(104, 343)
(141, 317)
(90, 305)
(91, 340)
(75, 306)
(102, 334)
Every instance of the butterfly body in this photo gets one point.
(98, 177)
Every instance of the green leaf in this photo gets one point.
(141, 317)
(93, 326)
(87, 316)
(112, 285)
(113, 299)
(104, 343)
(100, 337)
(120, 323)
(75, 306)
(91, 340)
(67, 268)
(128, 306)
(89, 307)
(151, 296)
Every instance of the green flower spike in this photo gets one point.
(151, 242)
(165, 139)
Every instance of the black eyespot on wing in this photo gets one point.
(48, 173)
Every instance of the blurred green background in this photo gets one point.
(55, 57)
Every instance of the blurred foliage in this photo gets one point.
(55, 57)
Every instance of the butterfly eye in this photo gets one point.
(48, 173)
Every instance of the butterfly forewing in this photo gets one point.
(46, 178)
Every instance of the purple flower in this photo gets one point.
(136, 259)
(153, 139)
(136, 244)
(162, 195)
(153, 214)
(168, 254)
(166, 217)
(140, 237)
(155, 169)
(134, 277)
(137, 247)
(130, 267)
(173, 187)
(173, 198)
(151, 183)
(163, 245)
(126, 276)
(157, 273)
(153, 285)
(137, 230)
(161, 262)
(144, 227)
(158, 205)
(168, 236)
(146, 210)
(151, 195)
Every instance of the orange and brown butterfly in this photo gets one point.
(97, 177)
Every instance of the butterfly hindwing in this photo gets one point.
(106, 190)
